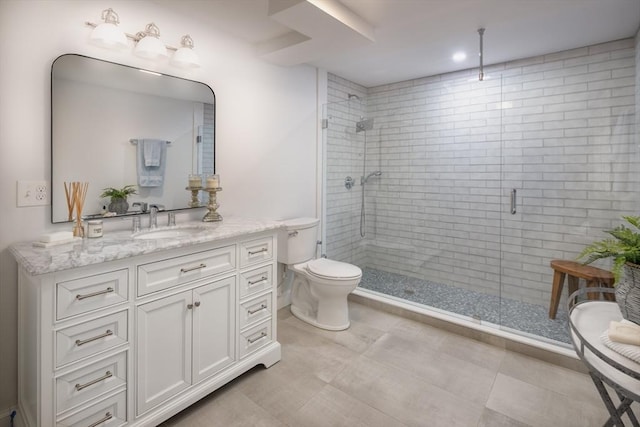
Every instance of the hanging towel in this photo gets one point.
(151, 176)
(152, 150)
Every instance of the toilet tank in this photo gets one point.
(297, 240)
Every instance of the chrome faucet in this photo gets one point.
(153, 216)
(141, 205)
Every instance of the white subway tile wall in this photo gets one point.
(558, 128)
(208, 135)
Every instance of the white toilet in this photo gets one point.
(320, 286)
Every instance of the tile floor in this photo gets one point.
(389, 371)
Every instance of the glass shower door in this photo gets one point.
(568, 175)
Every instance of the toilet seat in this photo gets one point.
(324, 268)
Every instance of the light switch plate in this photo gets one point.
(32, 193)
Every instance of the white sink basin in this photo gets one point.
(168, 233)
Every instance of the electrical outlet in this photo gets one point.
(32, 193)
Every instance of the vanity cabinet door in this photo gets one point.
(164, 349)
(213, 327)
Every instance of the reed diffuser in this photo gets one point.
(76, 194)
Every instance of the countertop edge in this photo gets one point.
(118, 245)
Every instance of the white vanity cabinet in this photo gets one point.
(182, 339)
(134, 341)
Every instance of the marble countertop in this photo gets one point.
(117, 245)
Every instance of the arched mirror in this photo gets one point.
(103, 115)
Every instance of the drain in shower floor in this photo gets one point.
(408, 291)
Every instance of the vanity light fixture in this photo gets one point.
(185, 56)
(147, 43)
(108, 34)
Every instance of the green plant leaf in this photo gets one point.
(623, 248)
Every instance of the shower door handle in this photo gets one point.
(513, 201)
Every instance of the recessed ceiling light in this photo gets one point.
(459, 56)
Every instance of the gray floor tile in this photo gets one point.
(374, 318)
(280, 395)
(416, 331)
(472, 351)
(332, 407)
(404, 396)
(537, 406)
(467, 380)
(495, 419)
(571, 384)
(358, 337)
(227, 408)
(309, 353)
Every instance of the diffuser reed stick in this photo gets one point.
(79, 194)
(69, 194)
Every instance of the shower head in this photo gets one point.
(353, 95)
(374, 173)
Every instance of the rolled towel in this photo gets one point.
(624, 332)
(56, 237)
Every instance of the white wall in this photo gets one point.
(265, 115)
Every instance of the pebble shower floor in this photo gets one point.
(530, 318)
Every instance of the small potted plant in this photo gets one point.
(118, 197)
(624, 250)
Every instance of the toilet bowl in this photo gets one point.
(320, 286)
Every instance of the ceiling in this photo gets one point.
(375, 42)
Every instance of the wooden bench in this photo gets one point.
(592, 275)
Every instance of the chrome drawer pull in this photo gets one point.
(262, 279)
(107, 333)
(197, 267)
(262, 335)
(262, 307)
(106, 375)
(106, 418)
(258, 252)
(94, 294)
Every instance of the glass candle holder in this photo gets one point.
(212, 182)
(195, 181)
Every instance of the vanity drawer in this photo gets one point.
(254, 338)
(256, 251)
(111, 412)
(91, 293)
(164, 274)
(256, 280)
(255, 310)
(77, 387)
(89, 338)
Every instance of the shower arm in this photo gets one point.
(364, 180)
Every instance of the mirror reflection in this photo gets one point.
(115, 126)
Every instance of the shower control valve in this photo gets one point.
(349, 182)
